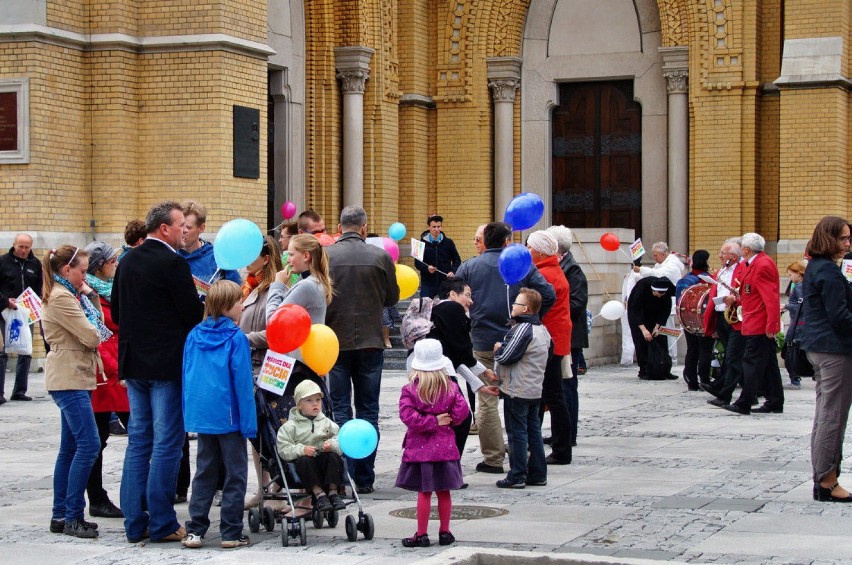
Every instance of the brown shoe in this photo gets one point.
(177, 536)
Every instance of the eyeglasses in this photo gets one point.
(519, 304)
(76, 250)
(477, 240)
(845, 238)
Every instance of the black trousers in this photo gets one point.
(95, 487)
(699, 354)
(732, 372)
(325, 468)
(560, 421)
(761, 373)
(641, 348)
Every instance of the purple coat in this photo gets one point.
(426, 441)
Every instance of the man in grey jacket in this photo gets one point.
(489, 315)
(364, 277)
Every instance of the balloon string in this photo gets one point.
(210, 280)
(592, 265)
(509, 306)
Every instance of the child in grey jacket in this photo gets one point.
(309, 440)
(520, 361)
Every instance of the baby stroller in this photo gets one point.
(272, 412)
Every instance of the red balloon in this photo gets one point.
(325, 239)
(288, 328)
(609, 241)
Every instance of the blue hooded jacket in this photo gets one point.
(218, 385)
(202, 263)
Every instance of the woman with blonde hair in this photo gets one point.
(73, 328)
(256, 292)
(308, 258)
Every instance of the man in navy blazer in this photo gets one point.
(155, 304)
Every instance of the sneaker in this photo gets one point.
(536, 482)
(80, 529)
(232, 543)
(484, 467)
(116, 428)
(217, 498)
(105, 510)
(336, 501)
(446, 538)
(506, 483)
(57, 526)
(416, 541)
(193, 541)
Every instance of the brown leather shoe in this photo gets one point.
(177, 536)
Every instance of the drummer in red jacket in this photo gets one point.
(761, 317)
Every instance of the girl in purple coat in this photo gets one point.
(429, 406)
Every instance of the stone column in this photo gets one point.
(504, 78)
(676, 72)
(353, 70)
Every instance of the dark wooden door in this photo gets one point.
(597, 156)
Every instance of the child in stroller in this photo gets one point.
(309, 441)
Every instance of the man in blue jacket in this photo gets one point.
(197, 251)
(489, 315)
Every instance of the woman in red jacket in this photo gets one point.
(545, 255)
(110, 395)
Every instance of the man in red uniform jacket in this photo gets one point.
(761, 323)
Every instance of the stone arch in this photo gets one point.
(539, 95)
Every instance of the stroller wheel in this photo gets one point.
(285, 537)
(254, 520)
(351, 528)
(303, 532)
(333, 517)
(268, 518)
(316, 516)
(369, 527)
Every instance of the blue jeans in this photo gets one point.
(521, 417)
(154, 441)
(214, 451)
(79, 447)
(359, 370)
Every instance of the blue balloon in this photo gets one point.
(514, 263)
(358, 439)
(524, 211)
(237, 244)
(396, 231)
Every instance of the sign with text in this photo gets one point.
(30, 303)
(847, 269)
(275, 371)
(673, 332)
(201, 286)
(418, 248)
(637, 249)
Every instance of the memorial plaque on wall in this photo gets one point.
(8, 121)
(246, 142)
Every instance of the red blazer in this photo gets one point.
(710, 313)
(558, 318)
(759, 292)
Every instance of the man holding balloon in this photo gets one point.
(368, 276)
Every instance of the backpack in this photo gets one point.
(417, 321)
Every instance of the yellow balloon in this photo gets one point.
(407, 279)
(321, 348)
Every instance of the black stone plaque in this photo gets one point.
(8, 121)
(246, 142)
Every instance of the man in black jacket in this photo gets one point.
(440, 258)
(155, 304)
(19, 269)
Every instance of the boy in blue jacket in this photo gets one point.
(218, 405)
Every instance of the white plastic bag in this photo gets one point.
(18, 337)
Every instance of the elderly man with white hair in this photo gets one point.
(545, 255)
(579, 295)
(666, 264)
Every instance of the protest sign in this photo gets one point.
(31, 305)
(637, 249)
(275, 371)
(418, 248)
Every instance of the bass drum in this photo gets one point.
(691, 307)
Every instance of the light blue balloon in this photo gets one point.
(396, 231)
(237, 244)
(358, 439)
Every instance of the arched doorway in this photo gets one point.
(597, 156)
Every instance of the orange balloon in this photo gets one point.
(609, 241)
(325, 239)
(321, 349)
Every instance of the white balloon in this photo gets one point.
(612, 310)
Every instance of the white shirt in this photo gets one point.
(671, 268)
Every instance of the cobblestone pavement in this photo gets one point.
(658, 474)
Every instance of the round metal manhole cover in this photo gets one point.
(460, 512)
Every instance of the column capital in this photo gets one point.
(353, 67)
(676, 68)
(677, 81)
(503, 90)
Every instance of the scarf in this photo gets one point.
(88, 308)
(102, 287)
(252, 281)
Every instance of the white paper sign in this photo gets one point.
(30, 303)
(275, 371)
(418, 248)
(846, 267)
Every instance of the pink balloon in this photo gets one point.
(288, 210)
(392, 248)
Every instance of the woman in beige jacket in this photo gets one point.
(70, 322)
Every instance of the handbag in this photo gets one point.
(795, 359)
(659, 361)
(18, 338)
